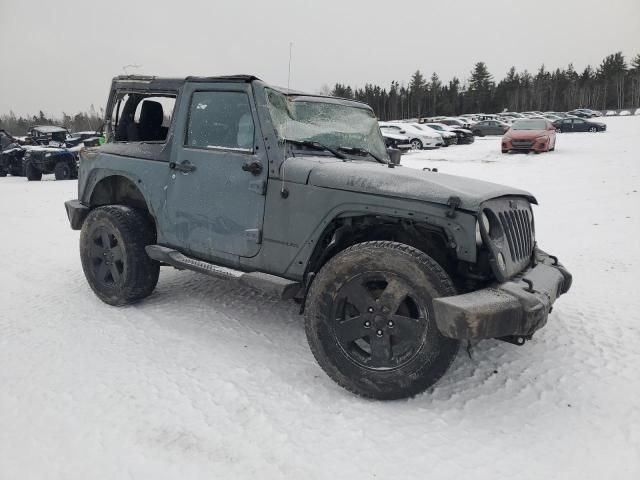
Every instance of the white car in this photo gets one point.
(449, 138)
(419, 138)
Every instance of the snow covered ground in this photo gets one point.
(208, 380)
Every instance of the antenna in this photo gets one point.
(283, 192)
(126, 68)
(289, 75)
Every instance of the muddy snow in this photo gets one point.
(208, 380)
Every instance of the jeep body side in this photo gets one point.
(294, 194)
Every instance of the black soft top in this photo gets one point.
(169, 83)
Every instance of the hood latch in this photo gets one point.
(454, 203)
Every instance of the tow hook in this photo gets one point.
(518, 340)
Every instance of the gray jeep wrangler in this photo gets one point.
(296, 195)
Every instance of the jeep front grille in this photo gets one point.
(517, 229)
(512, 238)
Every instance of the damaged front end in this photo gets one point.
(528, 280)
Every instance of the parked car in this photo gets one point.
(527, 135)
(551, 117)
(568, 125)
(513, 114)
(48, 149)
(88, 138)
(588, 111)
(464, 136)
(41, 159)
(8, 165)
(396, 140)
(419, 138)
(384, 260)
(489, 127)
(46, 134)
(582, 113)
(449, 138)
(453, 122)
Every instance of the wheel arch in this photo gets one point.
(118, 189)
(343, 232)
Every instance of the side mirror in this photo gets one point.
(402, 131)
(394, 155)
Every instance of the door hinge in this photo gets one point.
(253, 235)
(259, 187)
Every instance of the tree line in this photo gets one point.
(82, 121)
(614, 84)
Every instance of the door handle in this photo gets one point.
(254, 167)
(185, 166)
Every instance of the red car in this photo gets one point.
(530, 134)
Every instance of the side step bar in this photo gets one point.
(270, 284)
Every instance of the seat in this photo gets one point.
(150, 124)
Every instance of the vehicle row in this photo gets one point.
(45, 149)
(408, 134)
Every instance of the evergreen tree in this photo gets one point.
(480, 88)
(416, 92)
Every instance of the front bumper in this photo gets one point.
(525, 145)
(76, 212)
(517, 307)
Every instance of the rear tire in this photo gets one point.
(3, 172)
(63, 171)
(370, 322)
(31, 172)
(114, 260)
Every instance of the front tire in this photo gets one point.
(593, 129)
(416, 144)
(31, 172)
(114, 260)
(62, 171)
(370, 321)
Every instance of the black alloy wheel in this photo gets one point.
(106, 256)
(380, 320)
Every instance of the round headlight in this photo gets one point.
(485, 222)
(501, 264)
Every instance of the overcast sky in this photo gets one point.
(61, 55)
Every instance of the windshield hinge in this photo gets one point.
(454, 203)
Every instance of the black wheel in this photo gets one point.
(416, 144)
(593, 129)
(558, 130)
(370, 323)
(3, 172)
(31, 172)
(478, 133)
(114, 261)
(63, 170)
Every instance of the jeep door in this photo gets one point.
(217, 176)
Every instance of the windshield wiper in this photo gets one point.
(361, 151)
(317, 146)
